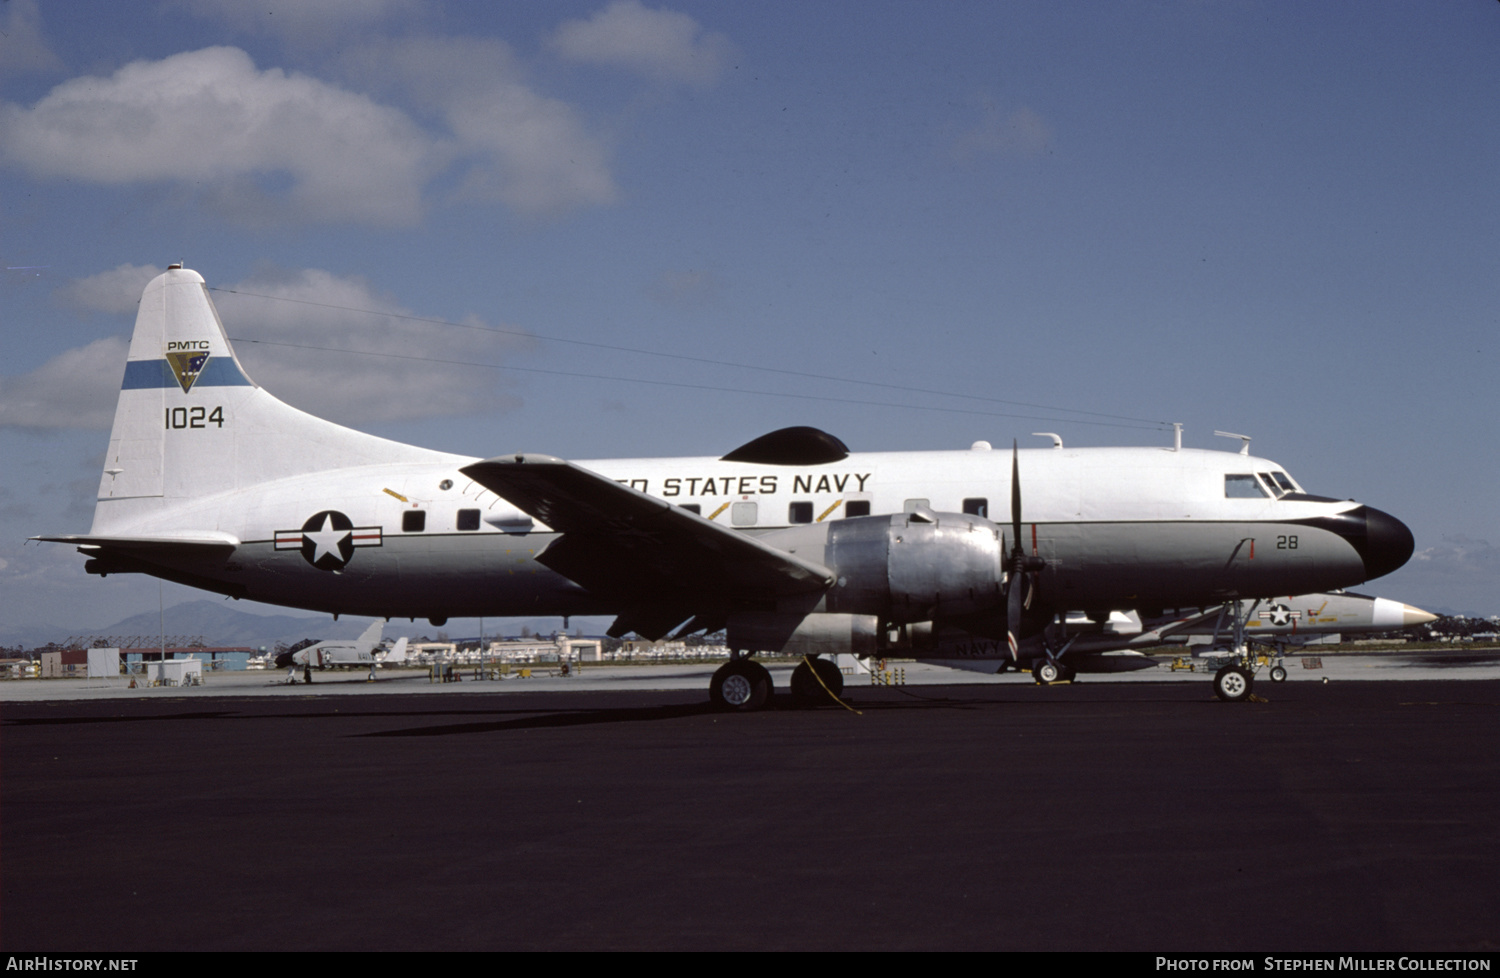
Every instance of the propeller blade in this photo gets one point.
(1015, 494)
(1013, 612)
(1017, 558)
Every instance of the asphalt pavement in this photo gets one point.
(1131, 815)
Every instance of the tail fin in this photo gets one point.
(191, 423)
(370, 638)
(397, 654)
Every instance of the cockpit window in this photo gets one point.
(1285, 482)
(1243, 487)
(1270, 483)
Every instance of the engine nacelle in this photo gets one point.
(905, 567)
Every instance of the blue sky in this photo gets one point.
(1281, 219)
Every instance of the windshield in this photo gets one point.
(1243, 487)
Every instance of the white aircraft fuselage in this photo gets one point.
(211, 481)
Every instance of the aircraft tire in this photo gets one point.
(806, 689)
(741, 686)
(1045, 671)
(1278, 674)
(1232, 684)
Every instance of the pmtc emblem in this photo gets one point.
(187, 367)
(327, 540)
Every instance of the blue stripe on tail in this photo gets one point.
(220, 371)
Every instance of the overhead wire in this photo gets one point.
(673, 383)
(1115, 420)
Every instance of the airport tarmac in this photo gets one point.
(1467, 664)
(1124, 815)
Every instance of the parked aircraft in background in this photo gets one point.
(364, 650)
(791, 542)
(1079, 645)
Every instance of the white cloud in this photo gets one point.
(210, 118)
(1460, 555)
(510, 143)
(660, 44)
(422, 371)
(272, 147)
(117, 291)
(529, 152)
(75, 389)
(284, 325)
(22, 47)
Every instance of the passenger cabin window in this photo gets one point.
(977, 507)
(799, 512)
(693, 508)
(468, 519)
(857, 507)
(1243, 487)
(413, 521)
(743, 514)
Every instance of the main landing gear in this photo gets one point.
(742, 684)
(815, 680)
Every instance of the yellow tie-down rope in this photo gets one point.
(810, 668)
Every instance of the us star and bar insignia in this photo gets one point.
(327, 540)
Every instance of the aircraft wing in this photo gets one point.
(657, 560)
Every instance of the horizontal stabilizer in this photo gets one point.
(181, 541)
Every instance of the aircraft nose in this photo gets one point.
(1387, 544)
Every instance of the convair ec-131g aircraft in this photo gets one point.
(791, 542)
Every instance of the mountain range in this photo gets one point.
(221, 624)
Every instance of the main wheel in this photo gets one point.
(1278, 674)
(805, 686)
(740, 685)
(1232, 684)
(1046, 671)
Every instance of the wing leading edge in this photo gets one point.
(660, 563)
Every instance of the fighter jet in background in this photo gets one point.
(1080, 645)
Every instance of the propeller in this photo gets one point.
(1018, 562)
